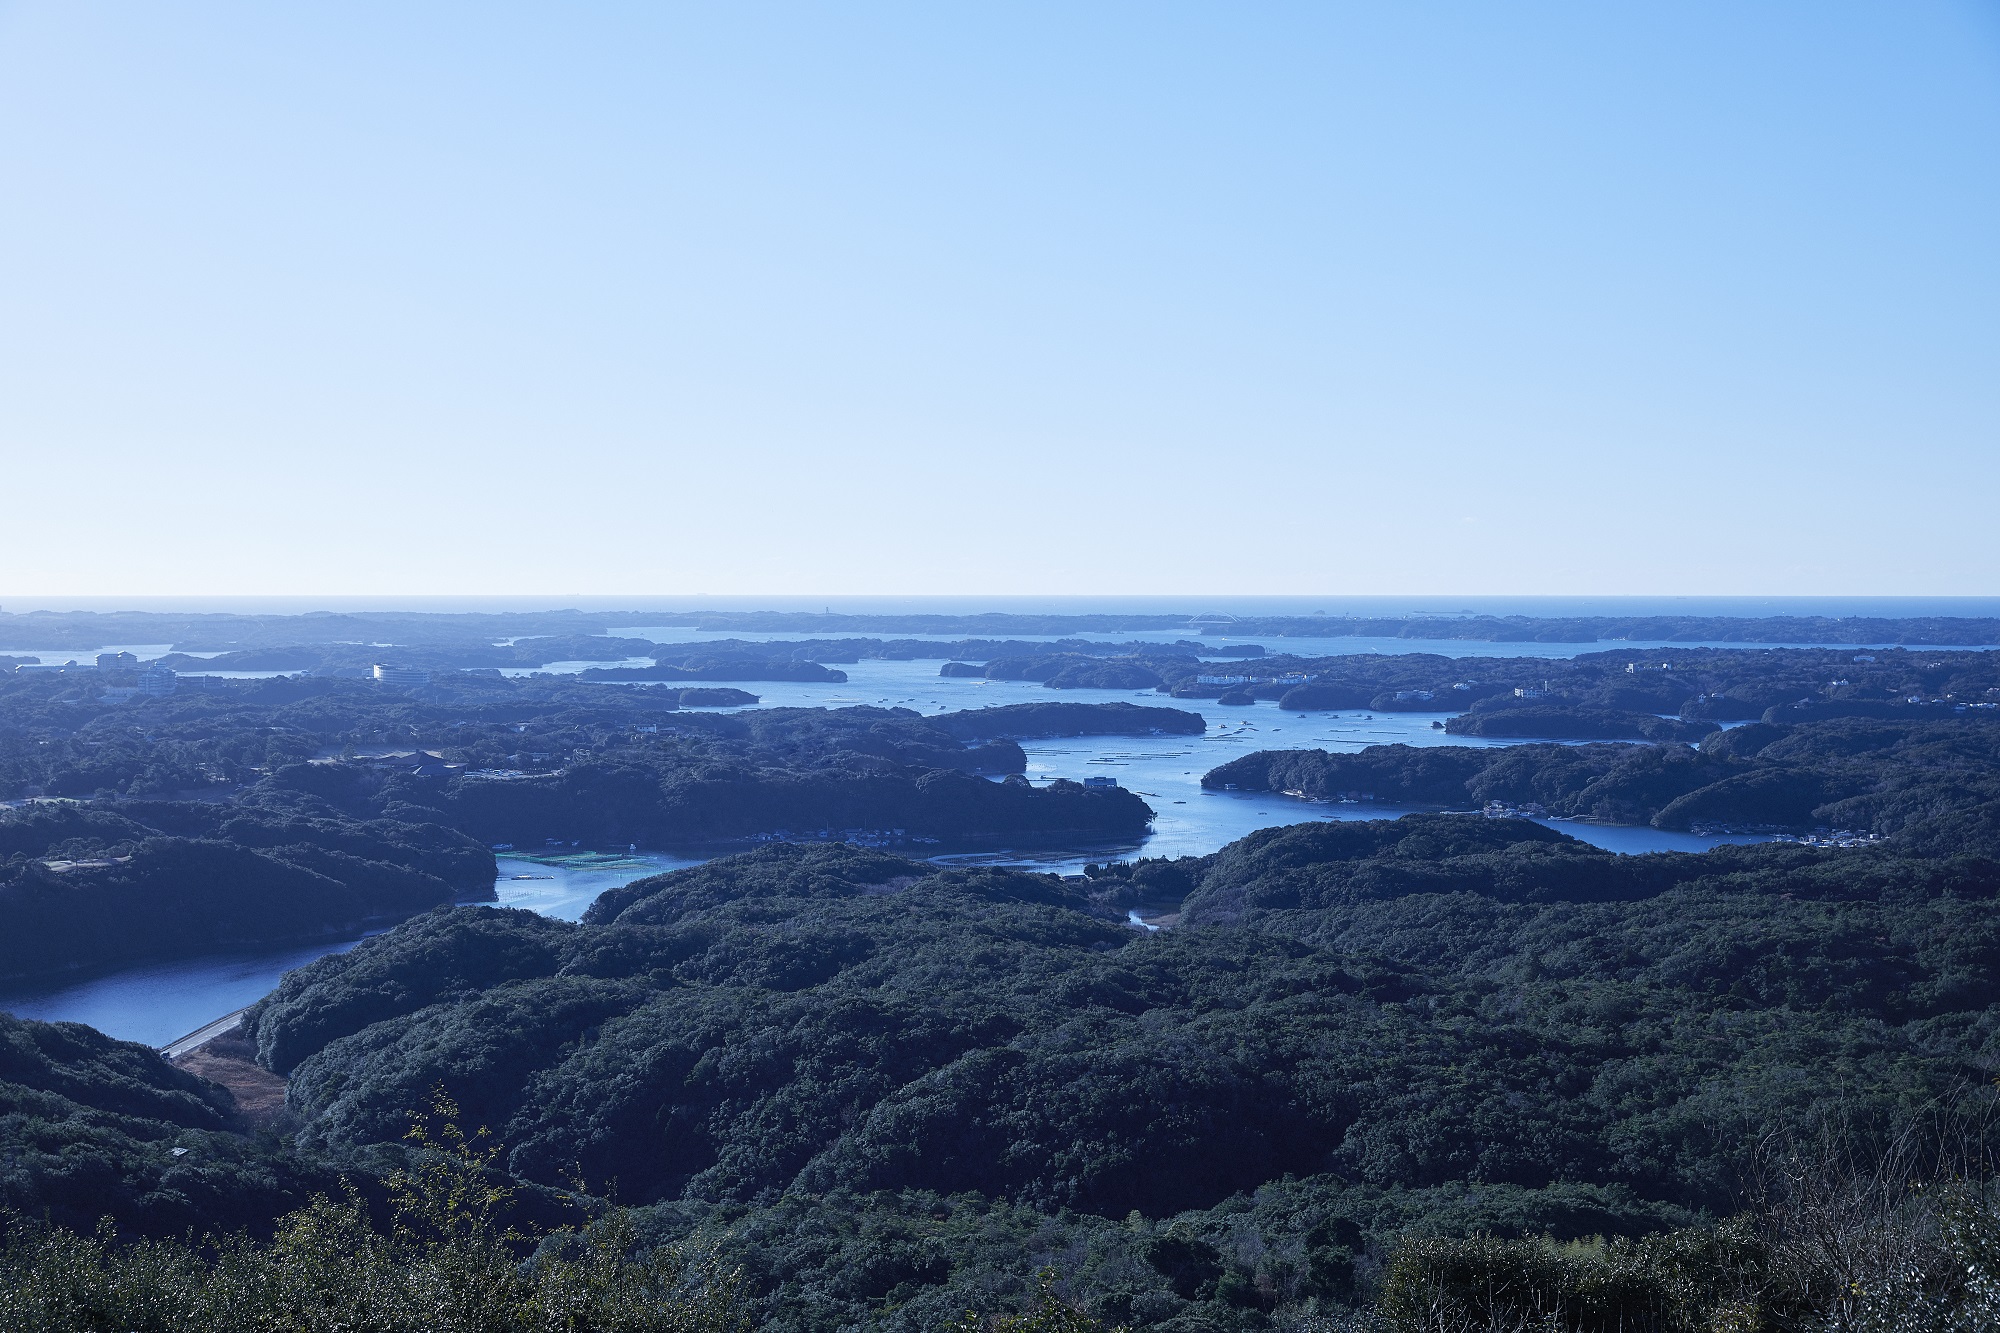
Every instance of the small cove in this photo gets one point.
(156, 1002)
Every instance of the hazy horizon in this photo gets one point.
(1246, 604)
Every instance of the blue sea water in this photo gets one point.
(158, 1002)
(1395, 604)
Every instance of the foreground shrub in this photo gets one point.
(447, 1264)
(1847, 1233)
(1678, 1282)
(1050, 1313)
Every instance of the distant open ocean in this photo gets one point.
(1389, 606)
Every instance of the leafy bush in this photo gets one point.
(1051, 1314)
(1847, 1233)
(446, 1264)
(1693, 1281)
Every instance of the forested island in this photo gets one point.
(1025, 721)
(1935, 783)
(1452, 1065)
(299, 808)
(90, 885)
(893, 1091)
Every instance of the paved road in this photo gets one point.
(204, 1034)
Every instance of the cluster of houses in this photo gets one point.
(157, 680)
(1832, 838)
(859, 837)
(1289, 678)
(152, 682)
(1514, 810)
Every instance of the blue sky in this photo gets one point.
(1024, 299)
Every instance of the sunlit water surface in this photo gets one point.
(158, 1002)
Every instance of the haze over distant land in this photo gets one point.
(1191, 605)
(1118, 668)
(309, 300)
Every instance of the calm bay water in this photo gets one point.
(1167, 770)
(158, 1002)
(1291, 646)
(564, 887)
(1392, 604)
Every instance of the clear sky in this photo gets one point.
(999, 298)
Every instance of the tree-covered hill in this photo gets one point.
(896, 1090)
(1357, 1029)
(89, 885)
(294, 809)
(892, 1090)
(92, 1128)
(1933, 783)
(1021, 721)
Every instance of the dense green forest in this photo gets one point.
(294, 808)
(59, 738)
(1696, 684)
(1933, 783)
(90, 885)
(93, 1128)
(437, 1245)
(902, 1087)
(1009, 721)
(1664, 694)
(1381, 1074)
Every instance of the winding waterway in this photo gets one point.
(158, 1002)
